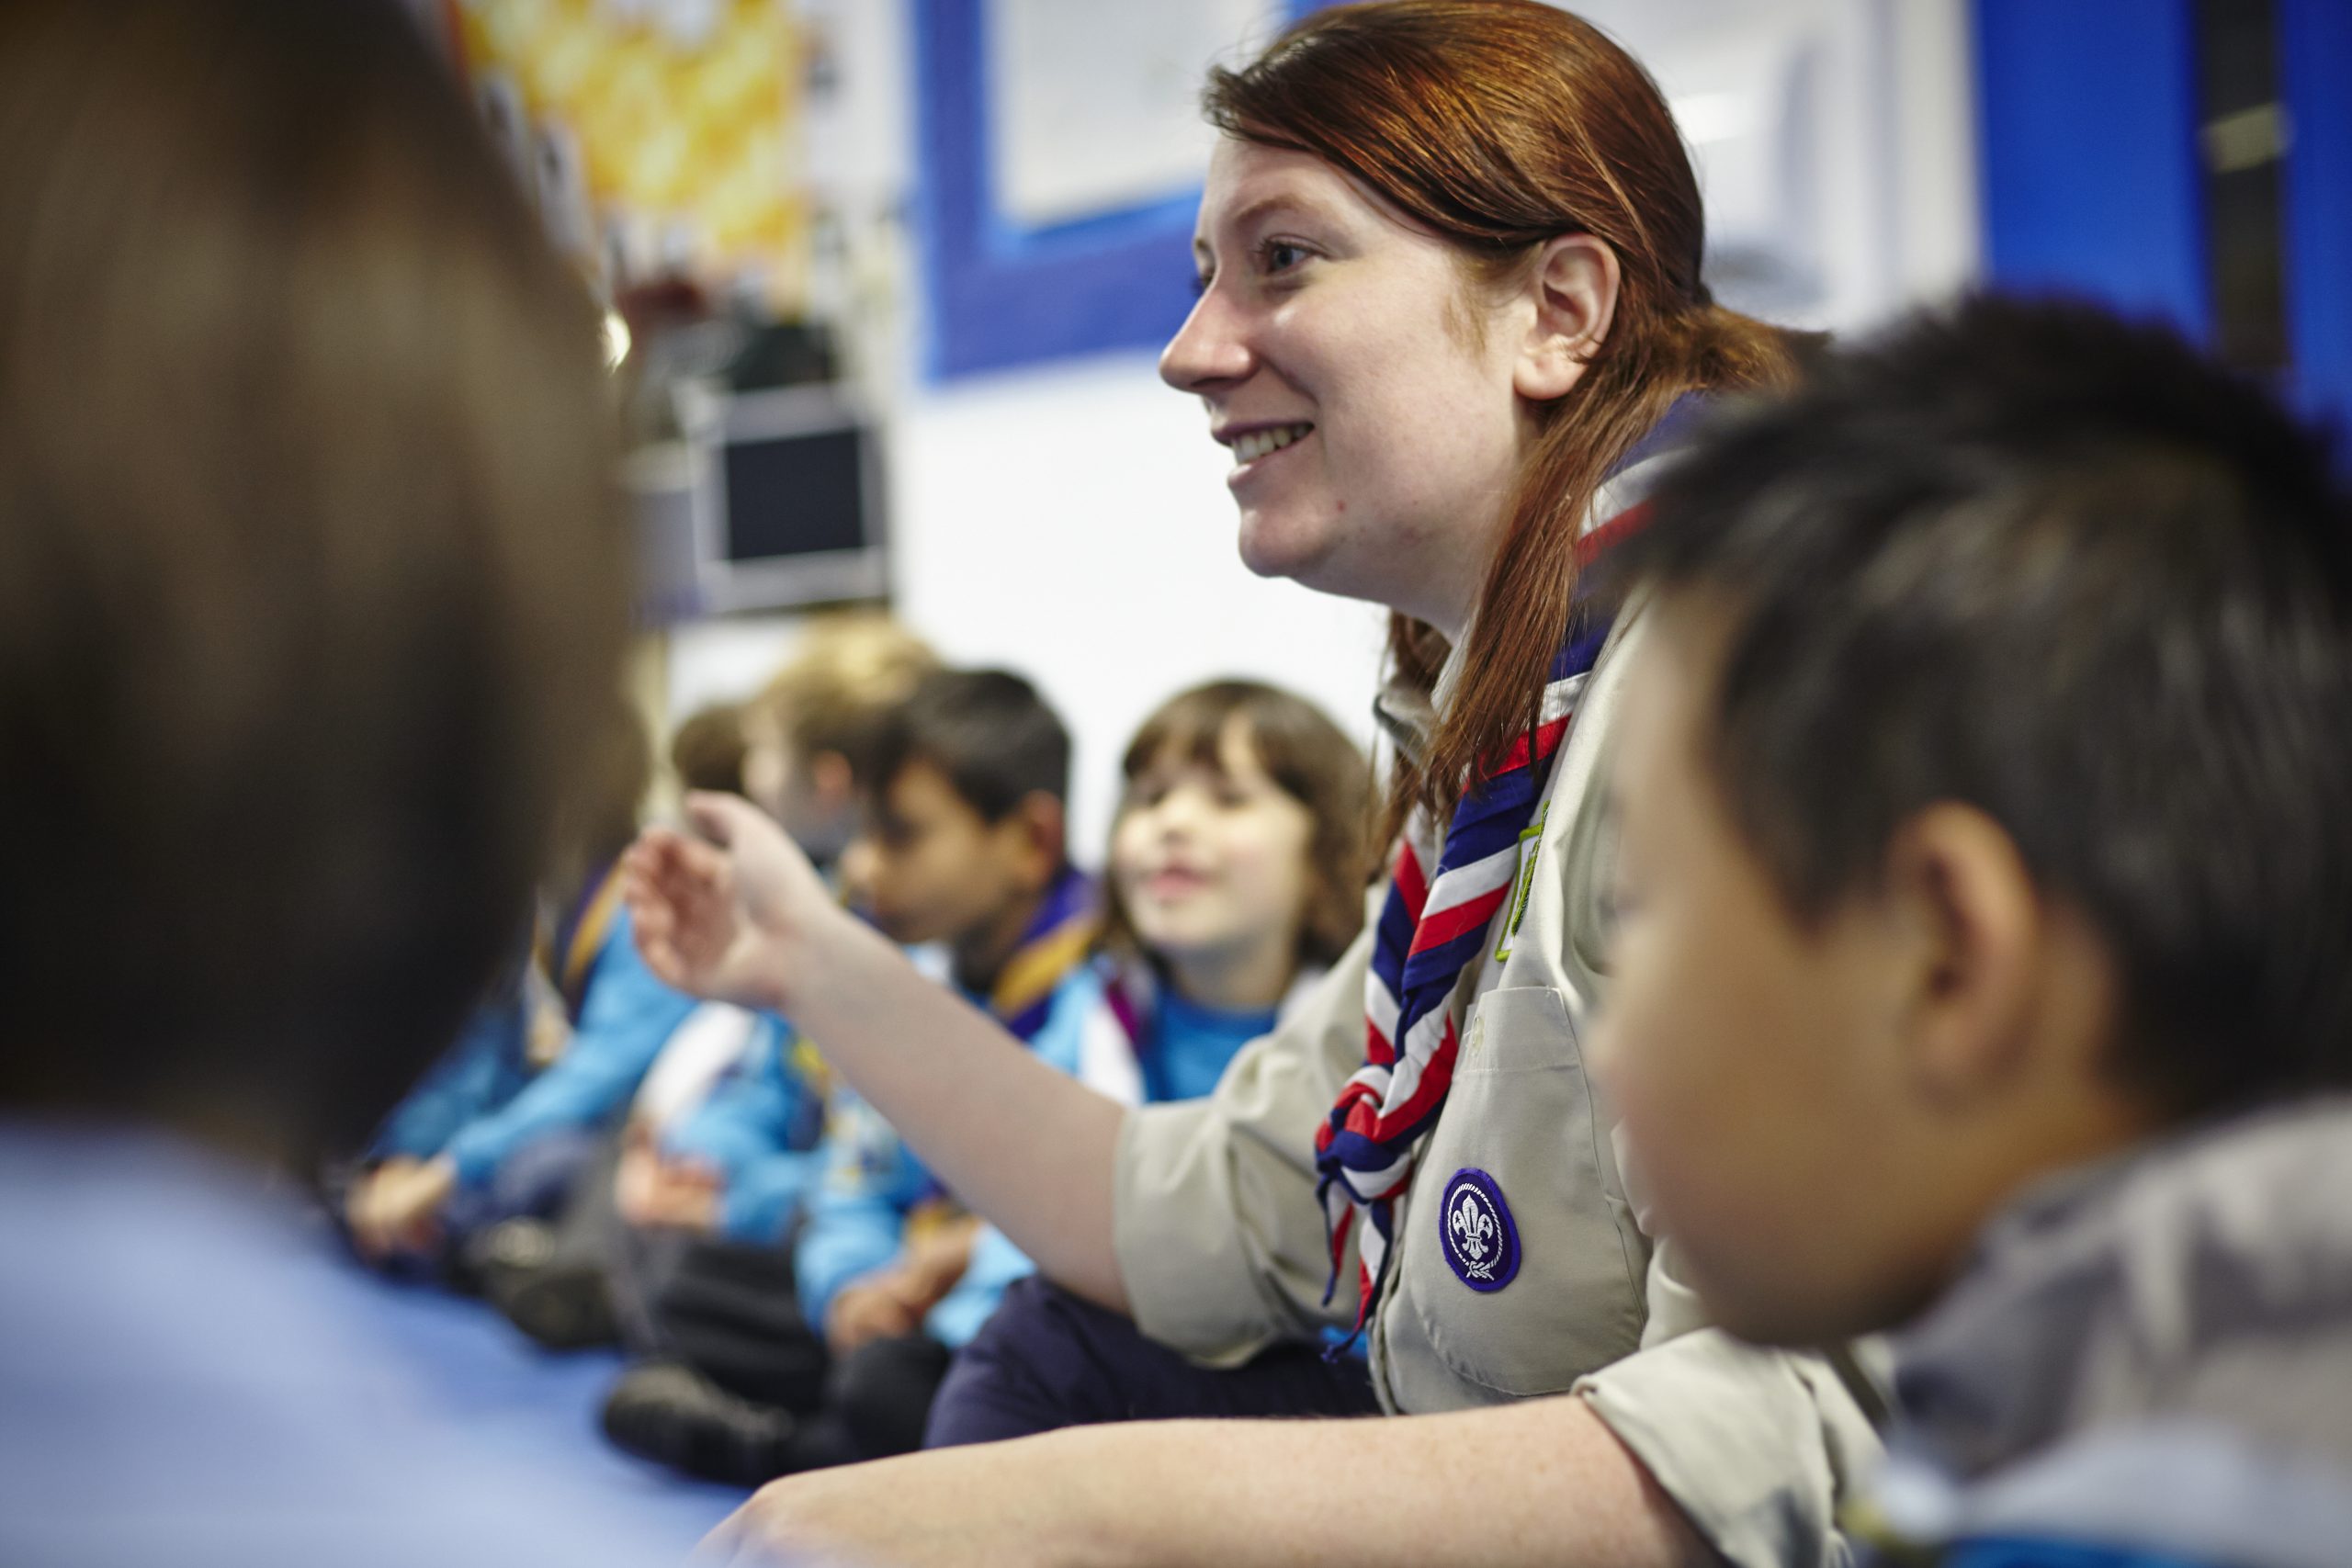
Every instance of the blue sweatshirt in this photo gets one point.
(758, 1131)
(871, 1183)
(1186, 1049)
(625, 1016)
(486, 1067)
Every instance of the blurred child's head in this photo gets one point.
(965, 782)
(1984, 786)
(1241, 831)
(311, 586)
(706, 750)
(802, 734)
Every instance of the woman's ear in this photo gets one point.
(1573, 285)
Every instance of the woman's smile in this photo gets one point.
(1254, 449)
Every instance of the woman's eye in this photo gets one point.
(1280, 256)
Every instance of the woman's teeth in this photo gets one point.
(1257, 442)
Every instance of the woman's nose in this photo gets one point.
(1208, 350)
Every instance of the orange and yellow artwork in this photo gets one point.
(657, 135)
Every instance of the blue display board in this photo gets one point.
(999, 294)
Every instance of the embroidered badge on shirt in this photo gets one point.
(1481, 1239)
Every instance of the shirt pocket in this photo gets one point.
(1542, 1278)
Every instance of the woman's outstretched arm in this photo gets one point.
(1542, 1481)
(739, 914)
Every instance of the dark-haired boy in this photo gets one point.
(964, 849)
(1986, 891)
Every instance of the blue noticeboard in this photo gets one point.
(1002, 294)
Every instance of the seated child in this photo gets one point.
(803, 731)
(1986, 894)
(965, 849)
(709, 1191)
(521, 1155)
(735, 1162)
(1237, 872)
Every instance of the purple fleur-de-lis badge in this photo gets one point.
(1480, 1236)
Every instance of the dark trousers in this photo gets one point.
(877, 1402)
(724, 1308)
(1048, 1359)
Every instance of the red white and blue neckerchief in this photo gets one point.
(1435, 921)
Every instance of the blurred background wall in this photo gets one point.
(958, 230)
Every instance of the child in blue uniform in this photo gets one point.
(709, 1195)
(1237, 870)
(508, 1123)
(964, 849)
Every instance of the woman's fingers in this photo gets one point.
(716, 816)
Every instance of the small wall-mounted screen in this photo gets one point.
(794, 495)
(786, 498)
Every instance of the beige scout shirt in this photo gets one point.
(1221, 1242)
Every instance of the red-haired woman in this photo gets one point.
(1451, 322)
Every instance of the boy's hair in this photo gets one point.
(706, 750)
(1310, 759)
(847, 668)
(311, 567)
(2056, 567)
(986, 731)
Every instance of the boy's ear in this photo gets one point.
(1574, 282)
(1037, 828)
(1972, 922)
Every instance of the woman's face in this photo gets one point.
(1211, 861)
(1366, 392)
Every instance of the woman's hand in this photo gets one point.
(737, 915)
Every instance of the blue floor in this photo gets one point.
(539, 1406)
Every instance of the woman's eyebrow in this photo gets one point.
(1277, 201)
(1251, 212)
